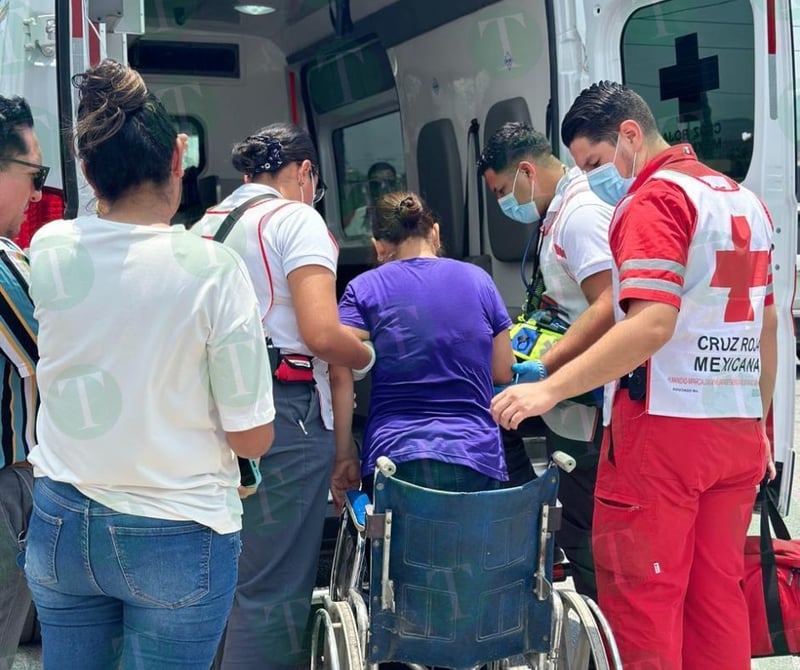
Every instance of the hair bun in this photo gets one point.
(273, 147)
(111, 91)
(269, 151)
(409, 211)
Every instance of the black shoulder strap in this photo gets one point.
(227, 225)
(769, 571)
(535, 288)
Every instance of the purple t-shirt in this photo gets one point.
(433, 322)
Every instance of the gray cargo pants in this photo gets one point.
(281, 535)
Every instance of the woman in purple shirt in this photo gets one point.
(440, 332)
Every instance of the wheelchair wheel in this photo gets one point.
(335, 641)
(581, 641)
(614, 660)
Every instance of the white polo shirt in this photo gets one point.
(274, 238)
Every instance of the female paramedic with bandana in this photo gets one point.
(291, 258)
(440, 331)
(686, 445)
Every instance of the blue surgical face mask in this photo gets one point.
(524, 213)
(608, 184)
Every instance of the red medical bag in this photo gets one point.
(772, 584)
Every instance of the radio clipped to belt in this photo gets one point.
(636, 383)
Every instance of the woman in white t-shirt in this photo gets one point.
(291, 257)
(154, 377)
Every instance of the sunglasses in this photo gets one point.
(321, 190)
(38, 177)
(389, 182)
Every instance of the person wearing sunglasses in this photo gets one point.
(37, 173)
(22, 175)
(292, 258)
(381, 179)
(21, 179)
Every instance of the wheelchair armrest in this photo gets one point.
(356, 503)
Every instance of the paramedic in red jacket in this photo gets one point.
(691, 361)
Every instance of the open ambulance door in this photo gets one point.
(720, 76)
(32, 45)
(43, 43)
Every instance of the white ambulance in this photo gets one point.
(420, 85)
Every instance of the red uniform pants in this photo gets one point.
(673, 501)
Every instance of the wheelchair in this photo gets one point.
(455, 580)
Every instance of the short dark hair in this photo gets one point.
(15, 114)
(599, 110)
(511, 143)
(380, 166)
(124, 135)
(401, 215)
(272, 148)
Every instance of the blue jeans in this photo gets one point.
(118, 590)
(440, 476)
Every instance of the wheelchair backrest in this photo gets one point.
(453, 575)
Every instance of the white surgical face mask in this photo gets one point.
(608, 184)
(521, 213)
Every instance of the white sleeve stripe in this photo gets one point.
(651, 285)
(653, 264)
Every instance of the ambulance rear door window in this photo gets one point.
(370, 163)
(693, 63)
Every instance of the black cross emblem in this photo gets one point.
(689, 78)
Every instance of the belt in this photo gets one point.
(276, 353)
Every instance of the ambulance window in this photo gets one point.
(369, 163)
(346, 77)
(693, 64)
(195, 155)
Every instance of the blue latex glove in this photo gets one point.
(529, 371)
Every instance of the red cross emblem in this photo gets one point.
(740, 270)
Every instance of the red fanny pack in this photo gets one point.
(295, 369)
